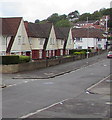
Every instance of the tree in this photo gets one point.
(63, 23)
(84, 16)
(96, 15)
(74, 14)
(53, 18)
(37, 21)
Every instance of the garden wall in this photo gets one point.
(40, 64)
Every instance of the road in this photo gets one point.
(30, 95)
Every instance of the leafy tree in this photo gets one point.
(63, 17)
(37, 21)
(96, 15)
(53, 18)
(63, 23)
(74, 14)
(84, 16)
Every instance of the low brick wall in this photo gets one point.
(22, 67)
(52, 62)
(41, 64)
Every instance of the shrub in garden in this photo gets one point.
(77, 51)
(80, 53)
(24, 59)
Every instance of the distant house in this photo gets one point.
(88, 38)
(14, 39)
(86, 24)
(42, 40)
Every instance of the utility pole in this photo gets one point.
(87, 37)
(106, 24)
(106, 30)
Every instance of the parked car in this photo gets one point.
(109, 55)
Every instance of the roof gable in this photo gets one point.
(10, 25)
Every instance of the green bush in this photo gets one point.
(80, 53)
(9, 59)
(24, 59)
(77, 53)
(83, 51)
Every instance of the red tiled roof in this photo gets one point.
(87, 33)
(91, 26)
(10, 25)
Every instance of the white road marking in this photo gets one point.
(40, 110)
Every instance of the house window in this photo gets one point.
(3, 42)
(61, 42)
(99, 39)
(23, 41)
(50, 41)
(79, 47)
(79, 39)
(99, 46)
(53, 41)
(19, 40)
(41, 42)
(70, 41)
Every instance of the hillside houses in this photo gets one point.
(41, 41)
(98, 24)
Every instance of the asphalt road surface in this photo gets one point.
(31, 95)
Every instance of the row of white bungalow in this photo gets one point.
(37, 40)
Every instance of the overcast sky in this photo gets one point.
(31, 10)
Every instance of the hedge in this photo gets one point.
(7, 60)
(13, 59)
